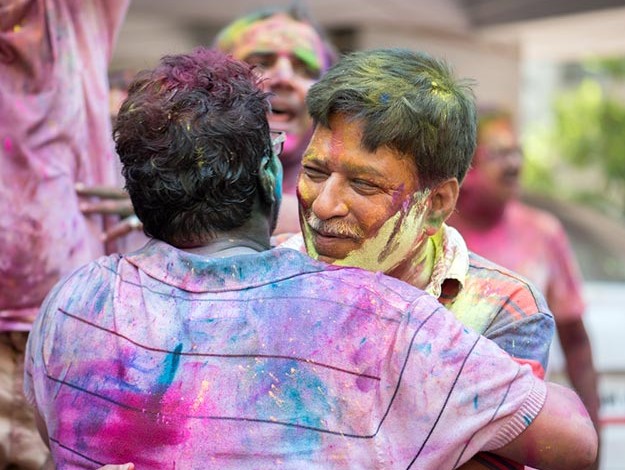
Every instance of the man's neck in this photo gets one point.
(251, 237)
(417, 270)
(224, 247)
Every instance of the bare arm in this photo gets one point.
(562, 437)
(473, 465)
(112, 200)
(580, 368)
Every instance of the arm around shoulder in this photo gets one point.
(561, 437)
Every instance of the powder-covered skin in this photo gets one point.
(54, 132)
(171, 360)
(393, 242)
(275, 34)
(373, 196)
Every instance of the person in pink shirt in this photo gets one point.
(532, 242)
(54, 131)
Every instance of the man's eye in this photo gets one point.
(365, 187)
(263, 61)
(303, 70)
(314, 174)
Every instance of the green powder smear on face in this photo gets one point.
(309, 57)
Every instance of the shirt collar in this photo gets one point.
(197, 273)
(450, 268)
(451, 265)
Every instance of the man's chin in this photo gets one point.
(325, 259)
(325, 255)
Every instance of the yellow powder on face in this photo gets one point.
(392, 245)
(307, 235)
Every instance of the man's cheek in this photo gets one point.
(305, 194)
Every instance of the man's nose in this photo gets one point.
(282, 70)
(331, 201)
(514, 158)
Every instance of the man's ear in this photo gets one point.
(270, 177)
(443, 200)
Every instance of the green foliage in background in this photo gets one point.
(588, 131)
(539, 166)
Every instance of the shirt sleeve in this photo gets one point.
(526, 339)
(492, 400)
(469, 394)
(524, 327)
(34, 368)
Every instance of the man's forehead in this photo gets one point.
(499, 133)
(341, 147)
(280, 33)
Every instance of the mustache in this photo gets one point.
(334, 227)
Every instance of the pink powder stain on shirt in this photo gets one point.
(139, 425)
(8, 144)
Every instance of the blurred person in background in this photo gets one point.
(291, 52)
(532, 242)
(54, 131)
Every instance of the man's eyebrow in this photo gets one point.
(311, 157)
(308, 57)
(354, 169)
(365, 171)
(262, 53)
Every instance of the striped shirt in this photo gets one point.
(494, 301)
(173, 360)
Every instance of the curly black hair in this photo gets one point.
(191, 137)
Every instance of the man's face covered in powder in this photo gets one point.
(290, 56)
(359, 208)
(496, 169)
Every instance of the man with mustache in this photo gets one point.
(394, 136)
(529, 241)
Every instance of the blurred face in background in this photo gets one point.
(290, 56)
(496, 169)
